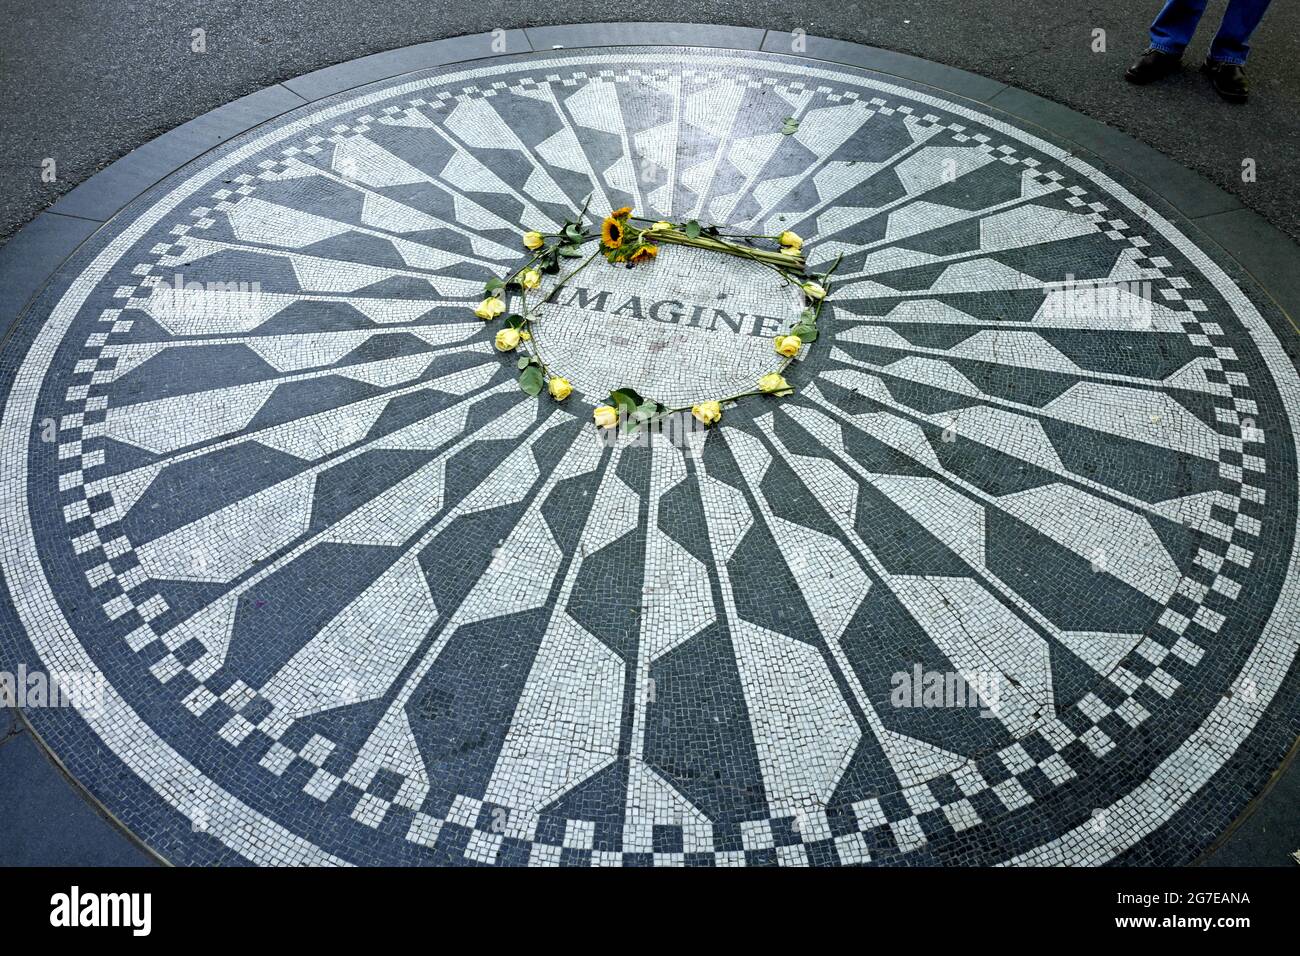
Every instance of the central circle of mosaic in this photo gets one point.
(1010, 560)
(689, 327)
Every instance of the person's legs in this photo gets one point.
(1232, 43)
(1173, 26)
(1170, 33)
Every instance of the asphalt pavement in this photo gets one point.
(82, 83)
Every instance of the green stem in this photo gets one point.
(534, 342)
(565, 281)
(582, 214)
(514, 275)
(718, 234)
(531, 344)
(728, 235)
(826, 284)
(777, 262)
(732, 398)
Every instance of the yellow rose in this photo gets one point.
(707, 412)
(507, 340)
(788, 345)
(533, 240)
(814, 290)
(559, 388)
(530, 279)
(790, 240)
(490, 308)
(526, 335)
(605, 416)
(774, 382)
(660, 226)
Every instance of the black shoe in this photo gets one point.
(1228, 80)
(1153, 65)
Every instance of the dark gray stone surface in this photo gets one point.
(26, 262)
(64, 59)
(1270, 834)
(46, 822)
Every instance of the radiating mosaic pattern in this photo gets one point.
(359, 599)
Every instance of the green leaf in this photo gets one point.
(493, 285)
(693, 229)
(640, 415)
(532, 380)
(516, 321)
(827, 274)
(808, 315)
(573, 233)
(524, 362)
(571, 251)
(791, 126)
(807, 333)
(626, 398)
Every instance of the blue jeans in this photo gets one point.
(1175, 24)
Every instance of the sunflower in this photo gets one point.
(643, 253)
(611, 233)
(621, 213)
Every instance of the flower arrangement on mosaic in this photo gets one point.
(629, 241)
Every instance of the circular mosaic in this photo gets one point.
(1009, 577)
